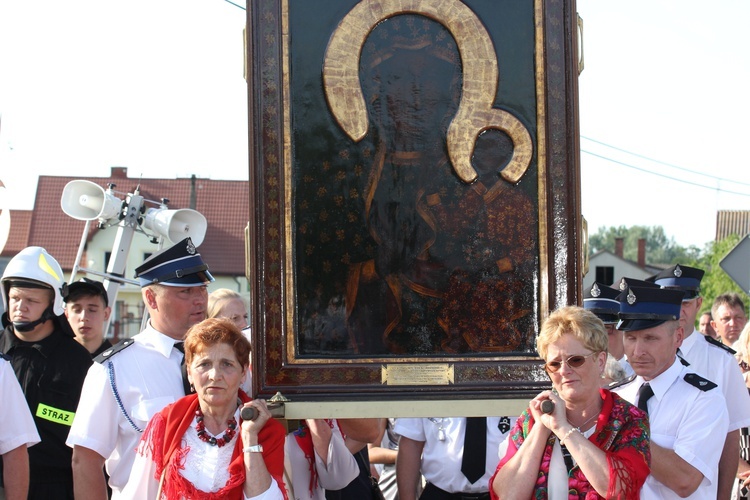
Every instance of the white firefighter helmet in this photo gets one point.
(34, 265)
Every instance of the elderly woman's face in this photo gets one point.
(574, 382)
(216, 374)
(234, 310)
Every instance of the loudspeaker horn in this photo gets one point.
(176, 225)
(84, 200)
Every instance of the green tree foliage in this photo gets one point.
(663, 251)
(660, 249)
(716, 281)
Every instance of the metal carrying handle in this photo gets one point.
(580, 43)
(250, 413)
(585, 246)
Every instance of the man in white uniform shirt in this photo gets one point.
(138, 377)
(713, 360)
(440, 442)
(687, 414)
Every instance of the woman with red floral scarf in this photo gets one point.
(592, 443)
(199, 447)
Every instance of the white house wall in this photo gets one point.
(130, 294)
(621, 267)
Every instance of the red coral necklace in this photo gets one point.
(200, 428)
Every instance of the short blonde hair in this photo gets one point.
(576, 321)
(218, 296)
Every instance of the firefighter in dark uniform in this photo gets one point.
(49, 364)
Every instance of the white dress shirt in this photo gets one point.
(147, 376)
(18, 426)
(719, 366)
(441, 458)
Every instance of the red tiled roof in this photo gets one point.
(20, 222)
(225, 204)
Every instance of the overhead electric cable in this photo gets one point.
(236, 5)
(665, 176)
(665, 163)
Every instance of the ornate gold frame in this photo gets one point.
(558, 229)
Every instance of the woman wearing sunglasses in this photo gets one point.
(593, 444)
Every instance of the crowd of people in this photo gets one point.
(641, 405)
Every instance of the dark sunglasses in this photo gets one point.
(575, 361)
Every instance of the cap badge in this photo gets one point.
(631, 297)
(623, 284)
(190, 247)
(595, 291)
(677, 271)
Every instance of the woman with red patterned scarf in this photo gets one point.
(199, 447)
(591, 443)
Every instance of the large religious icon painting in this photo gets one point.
(409, 219)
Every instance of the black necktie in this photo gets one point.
(644, 394)
(475, 448)
(180, 346)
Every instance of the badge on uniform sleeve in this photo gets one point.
(504, 424)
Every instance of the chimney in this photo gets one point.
(619, 244)
(641, 252)
(119, 172)
(193, 193)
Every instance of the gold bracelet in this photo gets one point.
(567, 435)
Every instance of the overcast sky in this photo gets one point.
(156, 86)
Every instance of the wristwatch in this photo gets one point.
(256, 448)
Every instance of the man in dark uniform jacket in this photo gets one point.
(48, 363)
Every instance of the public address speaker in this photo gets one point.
(84, 200)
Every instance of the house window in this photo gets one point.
(605, 274)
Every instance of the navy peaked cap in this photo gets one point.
(178, 265)
(623, 283)
(687, 279)
(602, 301)
(646, 307)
